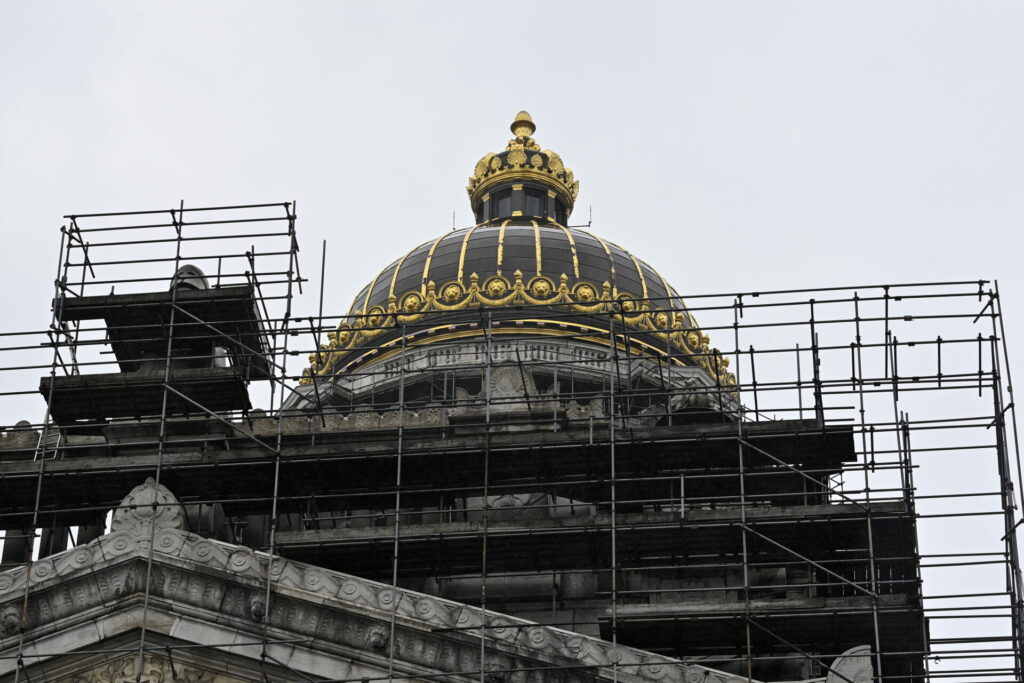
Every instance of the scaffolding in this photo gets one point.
(857, 484)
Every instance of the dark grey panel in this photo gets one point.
(408, 283)
(655, 288)
(357, 300)
(518, 253)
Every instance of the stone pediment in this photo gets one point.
(318, 623)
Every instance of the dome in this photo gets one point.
(543, 257)
(519, 274)
(529, 274)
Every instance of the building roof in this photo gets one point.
(208, 599)
(519, 261)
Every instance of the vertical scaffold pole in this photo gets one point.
(55, 321)
(485, 506)
(398, 505)
(613, 353)
(1007, 498)
(743, 495)
(179, 224)
(1018, 596)
(292, 276)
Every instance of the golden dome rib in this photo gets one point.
(462, 252)
(572, 249)
(501, 244)
(394, 276)
(640, 272)
(426, 264)
(369, 291)
(664, 283)
(608, 252)
(537, 248)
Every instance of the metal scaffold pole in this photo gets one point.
(179, 225)
(485, 499)
(724, 525)
(397, 596)
(613, 381)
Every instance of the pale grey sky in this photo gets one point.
(737, 146)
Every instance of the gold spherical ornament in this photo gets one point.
(496, 287)
(411, 302)
(541, 287)
(375, 317)
(452, 292)
(585, 293)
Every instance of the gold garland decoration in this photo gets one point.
(498, 292)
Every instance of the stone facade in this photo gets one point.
(207, 601)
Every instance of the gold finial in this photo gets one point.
(523, 159)
(522, 126)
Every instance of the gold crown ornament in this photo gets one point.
(523, 160)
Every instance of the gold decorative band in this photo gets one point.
(497, 291)
(483, 185)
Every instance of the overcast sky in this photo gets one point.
(736, 146)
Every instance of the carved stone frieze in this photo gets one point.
(357, 421)
(594, 409)
(154, 670)
(10, 620)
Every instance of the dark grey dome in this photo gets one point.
(490, 250)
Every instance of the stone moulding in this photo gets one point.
(341, 613)
(338, 614)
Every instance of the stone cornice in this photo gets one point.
(339, 612)
(213, 594)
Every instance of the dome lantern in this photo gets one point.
(552, 293)
(523, 182)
